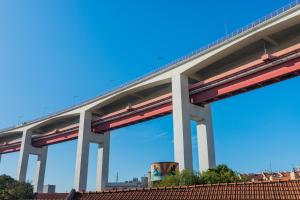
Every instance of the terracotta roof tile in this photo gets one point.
(52, 196)
(288, 190)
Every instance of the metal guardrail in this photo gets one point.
(178, 61)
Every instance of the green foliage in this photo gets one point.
(186, 177)
(220, 174)
(11, 189)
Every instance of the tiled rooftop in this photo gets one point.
(288, 190)
(52, 196)
(272, 176)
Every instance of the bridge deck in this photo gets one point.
(268, 69)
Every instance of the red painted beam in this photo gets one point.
(155, 112)
(68, 135)
(43, 141)
(144, 111)
(260, 78)
(10, 148)
(238, 70)
(149, 104)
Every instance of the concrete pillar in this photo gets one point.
(85, 137)
(24, 156)
(103, 163)
(82, 156)
(181, 122)
(25, 151)
(205, 137)
(40, 170)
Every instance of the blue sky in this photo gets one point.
(54, 54)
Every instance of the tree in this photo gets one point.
(185, 177)
(11, 189)
(220, 174)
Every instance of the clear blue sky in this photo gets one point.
(56, 53)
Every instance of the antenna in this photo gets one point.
(270, 166)
(117, 177)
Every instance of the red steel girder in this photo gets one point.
(268, 75)
(152, 113)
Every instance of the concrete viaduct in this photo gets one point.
(264, 52)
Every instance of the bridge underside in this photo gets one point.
(268, 69)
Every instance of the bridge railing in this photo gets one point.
(198, 52)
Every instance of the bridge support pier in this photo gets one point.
(85, 137)
(205, 140)
(181, 122)
(103, 163)
(183, 113)
(40, 170)
(25, 151)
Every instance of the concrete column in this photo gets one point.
(40, 170)
(181, 122)
(205, 137)
(24, 156)
(25, 151)
(103, 163)
(82, 156)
